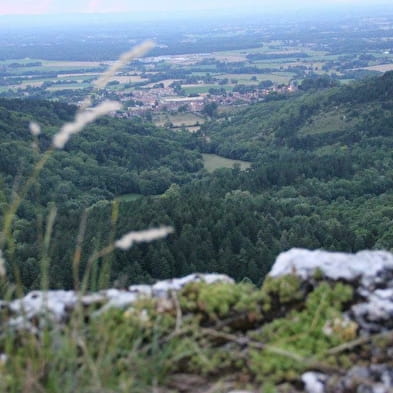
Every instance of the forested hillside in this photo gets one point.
(111, 160)
(321, 177)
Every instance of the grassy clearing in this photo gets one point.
(198, 89)
(273, 48)
(24, 84)
(327, 122)
(178, 119)
(34, 80)
(186, 118)
(346, 81)
(279, 77)
(290, 63)
(20, 61)
(193, 129)
(166, 82)
(68, 86)
(129, 197)
(380, 67)
(72, 64)
(81, 74)
(276, 77)
(77, 77)
(230, 57)
(242, 78)
(6, 88)
(44, 69)
(198, 73)
(240, 52)
(128, 79)
(212, 162)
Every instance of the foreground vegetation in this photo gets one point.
(217, 337)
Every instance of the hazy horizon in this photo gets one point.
(59, 7)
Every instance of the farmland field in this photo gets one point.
(380, 68)
(72, 64)
(129, 197)
(68, 86)
(212, 162)
(178, 119)
(284, 62)
(204, 88)
(275, 77)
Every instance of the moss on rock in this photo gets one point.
(300, 333)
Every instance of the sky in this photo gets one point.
(42, 7)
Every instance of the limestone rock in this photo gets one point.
(57, 303)
(56, 306)
(369, 272)
(369, 267)
(162, 288)
(372, 379)
(377, 311)
(314, 382)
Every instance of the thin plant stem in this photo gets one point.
(97, 255)
(78, 250)
(45, 260)
(107, 261)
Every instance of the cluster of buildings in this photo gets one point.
(164, 99)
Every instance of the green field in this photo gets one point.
(212, 162)
(77, 77)
(178, 119)
(200, 89)
(129, 197)
(346, 81)
(245, 79)
(45, 69)
(20, 61)
(68, 86)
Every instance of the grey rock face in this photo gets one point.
(314, 382)
(370, 268)
(56, 306)
(369, 272)
(371, 275)
(377, 312)
(373, 379)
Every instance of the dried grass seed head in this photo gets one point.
(82, 119)
(35, 128)
(149, 235)
(124, 59)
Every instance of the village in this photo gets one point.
(166, 99)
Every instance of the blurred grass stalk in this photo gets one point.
(84, 116)
(72, 360)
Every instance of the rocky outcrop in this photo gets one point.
(57, 306)
(370, 273)
(371, 269)
(321, 323)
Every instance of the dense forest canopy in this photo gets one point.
(321, 177)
